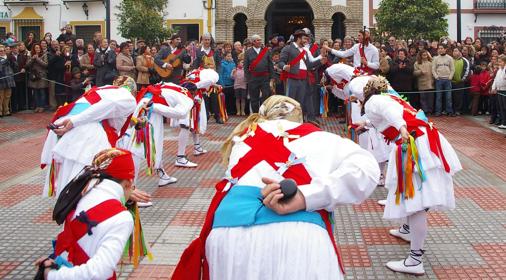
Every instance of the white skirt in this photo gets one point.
(436, 193)
(289, 250)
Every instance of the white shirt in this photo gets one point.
(302, 65)
(257, 50)
(500, 80)
(371, 54)
(207, 51)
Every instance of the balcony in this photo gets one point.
(489, 7)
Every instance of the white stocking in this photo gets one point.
(182, 141)
(196, 139)
(418, 231)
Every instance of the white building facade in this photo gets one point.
(236, 19)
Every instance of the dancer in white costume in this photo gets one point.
(348, 84)
(144, 137)
(83, 128)
(250, 233)
(199, 81)
(420, 168)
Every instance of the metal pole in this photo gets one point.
(108, 19)
(459, 21)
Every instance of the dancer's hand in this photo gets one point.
(360, 125)
(140, 196)
(404, 134)
(63, 127)
(272, 194)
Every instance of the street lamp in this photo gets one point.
(85, 9)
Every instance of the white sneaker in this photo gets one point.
(400, 234)
(502, 126)
(144, 204)
(164, 178)
(382, 202)
(184, 162)
(400, 266)
(198, 150)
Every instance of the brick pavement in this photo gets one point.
(468, 243)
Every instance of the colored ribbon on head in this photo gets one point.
(292, 160)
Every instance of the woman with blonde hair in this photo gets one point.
(270, 217)
(425, 80)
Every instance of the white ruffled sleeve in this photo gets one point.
(384, 112)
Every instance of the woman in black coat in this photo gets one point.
(401, 75)
(105, 63)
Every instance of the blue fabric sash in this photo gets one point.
(79, 108)
(242, 206)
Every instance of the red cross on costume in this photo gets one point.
(264, 147)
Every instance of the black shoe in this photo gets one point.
(219, 121)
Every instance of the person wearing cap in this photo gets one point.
(144, 137)
(98, 225)
(365, 55)
(295, 61)
(175, 47)
(84, 127)
(259, 71)
(252, 231)
(313, 50)
(197, 82)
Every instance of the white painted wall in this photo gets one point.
(244, 3)
(339, 2)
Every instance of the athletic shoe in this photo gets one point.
(502, 126)
(198, 150)
(400, 266)
(184, 162)
(401, 232)
(164, 178)
(382, 202)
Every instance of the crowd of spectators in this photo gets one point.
(441, 77)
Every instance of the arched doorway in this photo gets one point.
(285, 16)
(338, 27)
(240, 27)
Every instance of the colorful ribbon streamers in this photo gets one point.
(407, 162)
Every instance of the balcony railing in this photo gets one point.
(490, 4)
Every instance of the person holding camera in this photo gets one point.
(37, 65)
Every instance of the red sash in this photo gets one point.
(286, 75)
(177, 51)
(362, 67)
(193, 264)
(75, 229)
(413, 126)
(157, 95)
(255, 62)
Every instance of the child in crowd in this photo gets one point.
(226, 81)
(278, 86)
(239, 88)
(77, 84)
(475, 90)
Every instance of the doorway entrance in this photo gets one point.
(285, 16)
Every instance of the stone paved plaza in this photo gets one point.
(467, 243)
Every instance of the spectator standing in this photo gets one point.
(105, 64)
(66, 34)
(7, 69)
(30, 41)
(174, 47)
(493, 104)
(124, 62)
(56, 72)
(485, 83)
(475, 90)
(19, 100)
(237, 51)
(37, 75)
(77, 84)
(86, 62)
(401, 76)
(443, 71)
(425, 80)
(385, 61)
(144, 66)
(499, 88)
(227, 82)
(482, 55)
(239, 88)
(258, 70)
(97, 39)
(460, 76)
(48, 37)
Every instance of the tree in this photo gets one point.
(413, 19)
(143, 19)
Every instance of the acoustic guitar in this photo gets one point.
(171, 59)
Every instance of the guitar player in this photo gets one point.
(175, 48)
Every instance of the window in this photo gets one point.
(240, 27)
(491, 33)
(188, 29)
(3, 31)
(86, 32)
(25, 30)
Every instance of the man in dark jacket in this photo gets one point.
(20, 99)
(56, 72)
(66, 34)
(207, 57)
(105, 63)
(174, 47)
(259, 71)
(295, 61)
